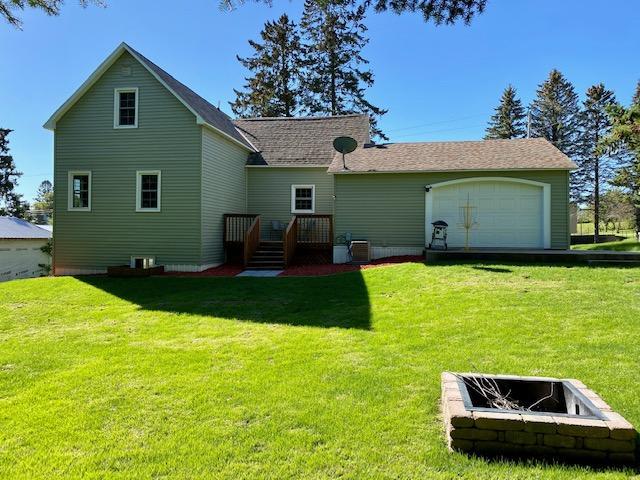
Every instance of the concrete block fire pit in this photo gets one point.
(534, 417)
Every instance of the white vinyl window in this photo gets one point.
(125, 108)
(303, 198)
(79, 191)
(148, 191)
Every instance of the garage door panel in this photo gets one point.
(507, 214)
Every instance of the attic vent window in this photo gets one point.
(126, 70)
(125, 108)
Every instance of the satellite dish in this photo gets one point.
(344, 145)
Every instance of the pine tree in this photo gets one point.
(15, 206)
(626, 133)
(636, 96)
(595, 169)
(439, 12)
(335, 80)
(509, 119)
(43, 202)
(50, 7)
(555, 113)
(273, 90)
(10, 202)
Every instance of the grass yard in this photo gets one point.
(629, 245)
(326, 377)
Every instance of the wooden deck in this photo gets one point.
(307, 239)
(593, 257)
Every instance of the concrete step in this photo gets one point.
(614, 261)
(265, 267)
(544, 256)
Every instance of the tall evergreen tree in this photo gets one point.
(273, 89)
(509, 119)
(335, 76)
(10, 202)
(555, 115)
(595, 168)
(439, 12)
(44, 197)
(625, 133)
(636, 96)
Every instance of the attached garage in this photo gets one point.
(517, 192)
(505, 212)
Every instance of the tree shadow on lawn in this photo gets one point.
(325, 302)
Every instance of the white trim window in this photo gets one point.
(303, 198)
(148, 187)
(79, 191)
(125, 108)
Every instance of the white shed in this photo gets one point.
(20, 249)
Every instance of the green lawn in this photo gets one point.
(629, 245)
(326, 377)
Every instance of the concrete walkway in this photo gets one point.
(259, 273)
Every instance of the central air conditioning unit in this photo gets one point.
(360, 251)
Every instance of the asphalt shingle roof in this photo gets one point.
(516, 154)
(300, 141)
(14, 228)
(210, 114)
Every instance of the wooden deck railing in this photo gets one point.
(236, 226)
(289, 241)
(315, 230)
(251, 240)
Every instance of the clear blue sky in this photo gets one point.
(439, 83)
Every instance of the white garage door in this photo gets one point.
(506, 214)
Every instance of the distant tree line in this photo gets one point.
(598, 134)
(12, 203)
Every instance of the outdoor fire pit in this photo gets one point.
(533, 416)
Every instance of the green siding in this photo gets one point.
(389, 209)
(269, 192)
(223, 190)
(168, 139)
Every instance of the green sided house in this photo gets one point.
(147, 172)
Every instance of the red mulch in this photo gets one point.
(331, 268)
(304, 270)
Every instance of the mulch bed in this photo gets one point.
(332, 268)
(303, 270)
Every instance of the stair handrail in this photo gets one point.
(289, 241)
(251, 240)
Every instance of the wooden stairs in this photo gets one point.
(268, 256)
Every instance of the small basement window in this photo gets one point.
(143, 262)
(148, 191)
(125, 108)
(79, 191)
(303, 198)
